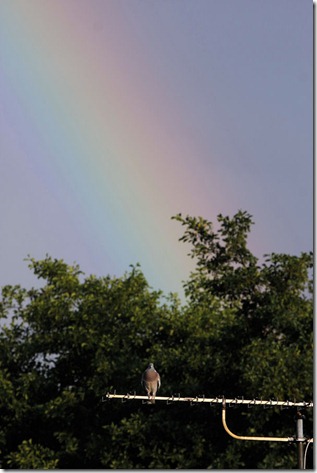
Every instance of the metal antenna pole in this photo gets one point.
(300, 439)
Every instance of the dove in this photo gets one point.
(151, 381)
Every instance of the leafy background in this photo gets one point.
(245, 330)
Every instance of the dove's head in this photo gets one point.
(151, 366)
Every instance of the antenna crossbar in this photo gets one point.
(213, 400)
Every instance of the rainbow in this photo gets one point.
(104, 135)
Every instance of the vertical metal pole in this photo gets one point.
(300, 439)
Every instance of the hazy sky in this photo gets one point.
(118, 114)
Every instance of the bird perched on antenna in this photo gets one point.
(151, 381)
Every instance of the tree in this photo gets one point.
(246, 330)
(271, 304)
(66, 344)
(262, 341)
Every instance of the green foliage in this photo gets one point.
(32, 457)
(245, 331)
(261, 341)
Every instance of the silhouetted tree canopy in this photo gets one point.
(245, 330)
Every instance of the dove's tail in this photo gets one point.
(151, 399)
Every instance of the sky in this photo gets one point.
(116, 115)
